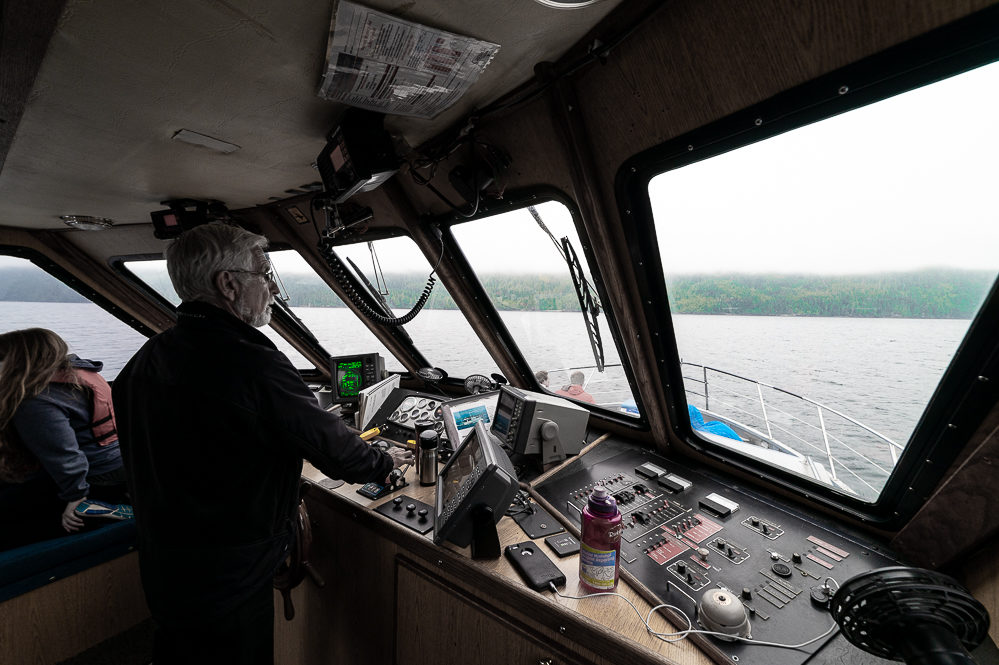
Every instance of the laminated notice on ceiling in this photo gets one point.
(382, 63)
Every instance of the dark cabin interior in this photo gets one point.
(93, 97)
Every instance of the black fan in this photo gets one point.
(910, 614)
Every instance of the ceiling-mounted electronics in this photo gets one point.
(185, 214)
(358, 157)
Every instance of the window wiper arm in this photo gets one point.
(375, 294)
(588, 303)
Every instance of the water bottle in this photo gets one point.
(600, 544)
(427, 455)
(421, 426)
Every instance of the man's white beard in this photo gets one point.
(258, 321)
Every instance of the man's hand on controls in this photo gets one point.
(400, 457)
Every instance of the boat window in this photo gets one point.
(398, 270)
(32, 298)
(519, 257)
(312, 301)
(821, 281)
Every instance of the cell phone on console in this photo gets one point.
(534, 565)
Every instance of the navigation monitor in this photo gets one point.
(460, 415)
(474, 489)
(352, 374)
(530, 423)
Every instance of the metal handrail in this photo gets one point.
(825, 448)
(805, 399)
(735, 407)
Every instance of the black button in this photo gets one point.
(781, 569)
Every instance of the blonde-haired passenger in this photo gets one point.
(58, 443)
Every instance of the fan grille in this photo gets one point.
(876, 610)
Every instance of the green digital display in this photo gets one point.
(349, 378)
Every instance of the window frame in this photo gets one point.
(302, 333)
(44, 263)
(118, 262)
(961, 400)
(517, 200)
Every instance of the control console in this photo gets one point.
(719, 552)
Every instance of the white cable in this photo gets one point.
(676, 637)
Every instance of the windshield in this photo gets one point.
(398, 270)
(821, 281)
(520, 263)
(440, 331)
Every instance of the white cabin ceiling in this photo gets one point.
(121, 77)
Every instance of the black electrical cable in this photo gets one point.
(347, 283)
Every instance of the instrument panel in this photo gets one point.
(708, 547)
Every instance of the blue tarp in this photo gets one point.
(712, 426)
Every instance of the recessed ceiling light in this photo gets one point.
(86, 222)
(567, 4)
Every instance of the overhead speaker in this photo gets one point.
(910, 614)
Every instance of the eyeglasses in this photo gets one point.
(266, 274)
(271, 277)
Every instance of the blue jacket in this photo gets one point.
(55, 427)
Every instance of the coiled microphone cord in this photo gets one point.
(348, 285)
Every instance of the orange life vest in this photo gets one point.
(102, 422)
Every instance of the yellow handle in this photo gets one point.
(371, 433)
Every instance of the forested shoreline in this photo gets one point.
(945, 294)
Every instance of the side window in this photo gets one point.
(31, 298)
(821, 281)
(519, 257)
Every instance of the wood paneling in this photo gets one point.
(445, 627)
(59, 620)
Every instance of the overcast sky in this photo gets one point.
(908, 183)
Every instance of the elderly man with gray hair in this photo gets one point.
(214, 423)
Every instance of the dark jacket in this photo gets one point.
(214, 422)
(55, 427)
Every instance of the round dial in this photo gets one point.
(477, 383)
(431, 374)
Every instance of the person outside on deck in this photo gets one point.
(58, 445)
(542, 376)
(214, 424)
(575, 388)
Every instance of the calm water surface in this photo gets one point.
(881, 372)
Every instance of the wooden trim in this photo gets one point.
(59, 620)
